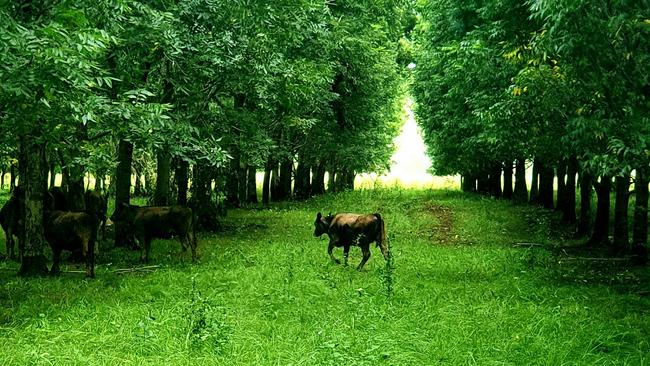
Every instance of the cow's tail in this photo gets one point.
(382, 241)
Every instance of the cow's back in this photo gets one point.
(163, 221)
(70, 230)
(348, 226)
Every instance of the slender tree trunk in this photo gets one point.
(301, 188)
(182, 179)
(266, 183)
(495, 180)
(252, 185)
(138, 191)
(600, 234)
(232, 179)
(640, 236)
(318, 179)
(164, 167)
(52, 174)
(507, 180)
(331, 181)
(569, 205)
(275, 181)
(243, 186)
(483, 183)
(122, 184)
(640, 231)
(584, 223)
(546, 186)
(34, 175)
(12, 178)
(621, 224)
(201, 202)
(534, 185)
(286, 169)
(520, 194)
(469, 183)
(2, 178)
(561, 185)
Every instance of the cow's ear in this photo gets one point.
(318, 216)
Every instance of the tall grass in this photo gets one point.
(265, 292)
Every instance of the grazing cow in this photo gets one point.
(345, 230)
(97, 205)
(72, 231)
(161, 222)
(11, 219)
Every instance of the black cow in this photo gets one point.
(57, 199)
(71, 231)
(161, 222)
(345, 230)
(11, 219)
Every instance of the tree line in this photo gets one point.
(195, 97)
(562, 85)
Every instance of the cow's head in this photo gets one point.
(322, 224)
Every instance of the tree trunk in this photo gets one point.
(243, 186)
(12, 178)
(232, 180)
(251, 194)
(600, 234)
(301, 188)
(275, 180)
(331, 181)
(483, 184)
(546, 176)
(520, 193)
(138, 190)
(2, 178)
(640, 231)
(621, 224)
(507, 180)
(266, 183)
(561, 185)
(318, 179)
(52, 174)
(286, 168)
(182, 179)
(569, 205)
(164, 167)
(123, 237)
(34, 175)
(534, 184)
(148, 188)
(584, 223)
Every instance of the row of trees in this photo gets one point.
(563, 85)
(212, 90)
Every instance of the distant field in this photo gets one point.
(265, 293)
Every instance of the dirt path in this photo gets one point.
(442, 230)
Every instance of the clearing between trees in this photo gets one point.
(460, 291)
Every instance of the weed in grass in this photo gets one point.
(206, 327)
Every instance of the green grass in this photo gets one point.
(264, 292)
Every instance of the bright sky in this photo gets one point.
(410, 162)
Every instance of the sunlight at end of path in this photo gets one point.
(410, 163)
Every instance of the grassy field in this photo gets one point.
(264, 292)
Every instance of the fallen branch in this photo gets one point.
(598, 259)
(527, 245)
(136, 269)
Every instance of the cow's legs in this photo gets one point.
(56, 258)
(329, 251)
(365, 249)
(346, 252)
(10, 244)
(90, 260)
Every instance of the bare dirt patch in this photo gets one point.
(442, 230)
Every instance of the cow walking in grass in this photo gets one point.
(74, 232)
(160, 222)
(347, 229)
(11, 220)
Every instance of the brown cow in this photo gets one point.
(72, 231)
(11, 219)
(161, 222)
(345, 230)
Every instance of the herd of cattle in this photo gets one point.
(73, 231)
